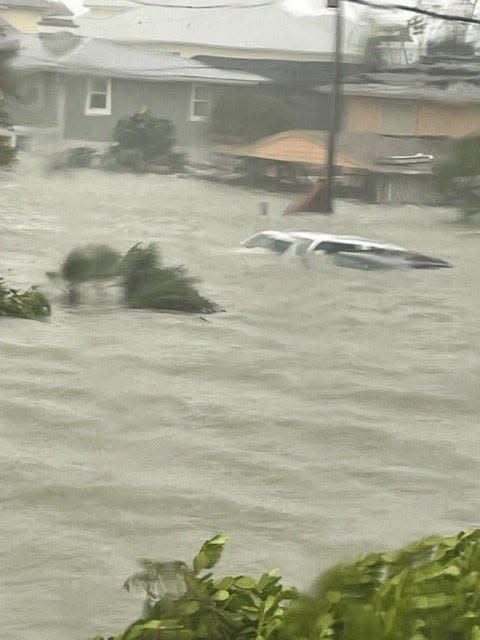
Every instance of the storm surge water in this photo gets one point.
(327, 412)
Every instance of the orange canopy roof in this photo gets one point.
(305, 147)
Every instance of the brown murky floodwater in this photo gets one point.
(327, 412)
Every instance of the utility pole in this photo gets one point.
(335, 105)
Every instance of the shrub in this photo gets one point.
(90, 262)
(152, 137)
(120, 159)
(430, 589)
(29, 304)
(78, 157)
(147, 285)
(186, 602)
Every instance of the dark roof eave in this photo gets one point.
(122, 75)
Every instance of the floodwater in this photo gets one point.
(327, 412)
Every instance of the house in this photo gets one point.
(295, 52)
(75, 89)
(249, 32)
(25, 15)
(99, 9)
(375, 168)
(437, 96)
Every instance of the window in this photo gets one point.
(200, 103)
(99, 97)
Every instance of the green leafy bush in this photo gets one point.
(148, 285)
(429, 590)
(78, 157)
(153, 137)
(120, 159)
(90, 262)
(186, 602)
(31, 305)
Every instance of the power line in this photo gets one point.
(424, 12)
(366, 3)
(166, 5)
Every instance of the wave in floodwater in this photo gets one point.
(325, 413)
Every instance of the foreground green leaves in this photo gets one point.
(185, 603)
(31, 305)
(429, 590)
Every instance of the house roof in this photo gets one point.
(355, 151)
(435, 78)
(25, 4)
(68, 53)
(305, 147)
(109, 3)
(8, 36)
(57, 9)
(267, 28)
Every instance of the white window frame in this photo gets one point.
(194, 100)
(107, 110)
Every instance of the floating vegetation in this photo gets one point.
(91, 262)
(148, 285)
(186, 602)
(31, 305)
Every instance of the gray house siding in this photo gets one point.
(170, 100)
(41, 112)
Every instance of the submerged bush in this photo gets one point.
(90, 262)
(119, 159)
(76, 158)
(148, 285)
(152, 137)
(186, 602)
(29, 304)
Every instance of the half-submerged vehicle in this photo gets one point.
(344, 251)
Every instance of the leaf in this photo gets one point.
(270, 602)
(209, 554)
(200, 562)
(245, 582)
(452, 570)
(475, 633)
(334, 596)
(219, 539)
(192, 607)
(432, 601)
(133, 632)
(221, 595)
(225, 583)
